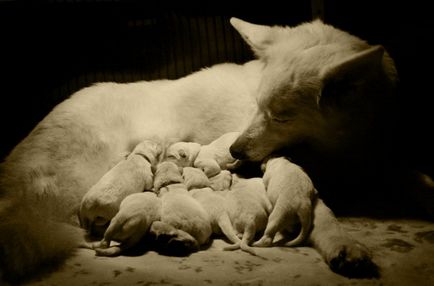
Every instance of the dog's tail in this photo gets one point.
(31, 240)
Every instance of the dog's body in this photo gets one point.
(44, 178)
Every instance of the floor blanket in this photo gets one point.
(403, 250)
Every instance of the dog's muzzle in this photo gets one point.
(237, 151)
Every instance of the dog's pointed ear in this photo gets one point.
(259, 37)
(363, 63)
(349, 71)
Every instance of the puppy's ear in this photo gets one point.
(259, 37)
(182, 153)
(342, 77)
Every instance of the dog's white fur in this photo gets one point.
(45, 177)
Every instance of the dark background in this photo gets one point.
(49, 49)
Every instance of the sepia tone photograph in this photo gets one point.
(216, 143)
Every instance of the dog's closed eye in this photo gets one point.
(280, 120)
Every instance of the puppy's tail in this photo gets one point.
(226, 227)
(31, 241)
(248, 236)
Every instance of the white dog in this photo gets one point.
(276, 101)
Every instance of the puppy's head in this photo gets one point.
(311, 73)
(183, 154)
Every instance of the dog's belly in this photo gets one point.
(83, 137)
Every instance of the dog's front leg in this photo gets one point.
(342, 252)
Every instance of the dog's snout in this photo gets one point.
(237, 151)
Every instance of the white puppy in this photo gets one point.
(182, 154)
(217, 208)
(195, 178)
(136, 214)
(132, 175)
(214, 157)
(221, 181)
(287, 185)
(183, 212)
(167, 173)
(248, 208)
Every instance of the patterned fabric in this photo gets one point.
(403, 249)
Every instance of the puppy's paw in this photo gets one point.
(350, 258)
(265, 241)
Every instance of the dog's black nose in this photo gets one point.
(237, 152)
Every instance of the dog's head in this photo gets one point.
(313, 77)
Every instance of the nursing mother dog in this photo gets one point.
(44, 178)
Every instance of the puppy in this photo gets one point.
(248, 208)
(221, 181)
(216, 206)
(287, 185)
(167, 173)
(195, 178)
(182, 154)
(132, 175)
(183, 212)
(136, 214)
(214, 157)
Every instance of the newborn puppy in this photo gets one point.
(132, 175)
(136, 214)
(195, 178)
(214, 157)
(289, 188)
(221, 181)
(183, 212)
(248, 207)
(167, 173)
(216, 206)
(183, 154)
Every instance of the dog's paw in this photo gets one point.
(351, 259)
